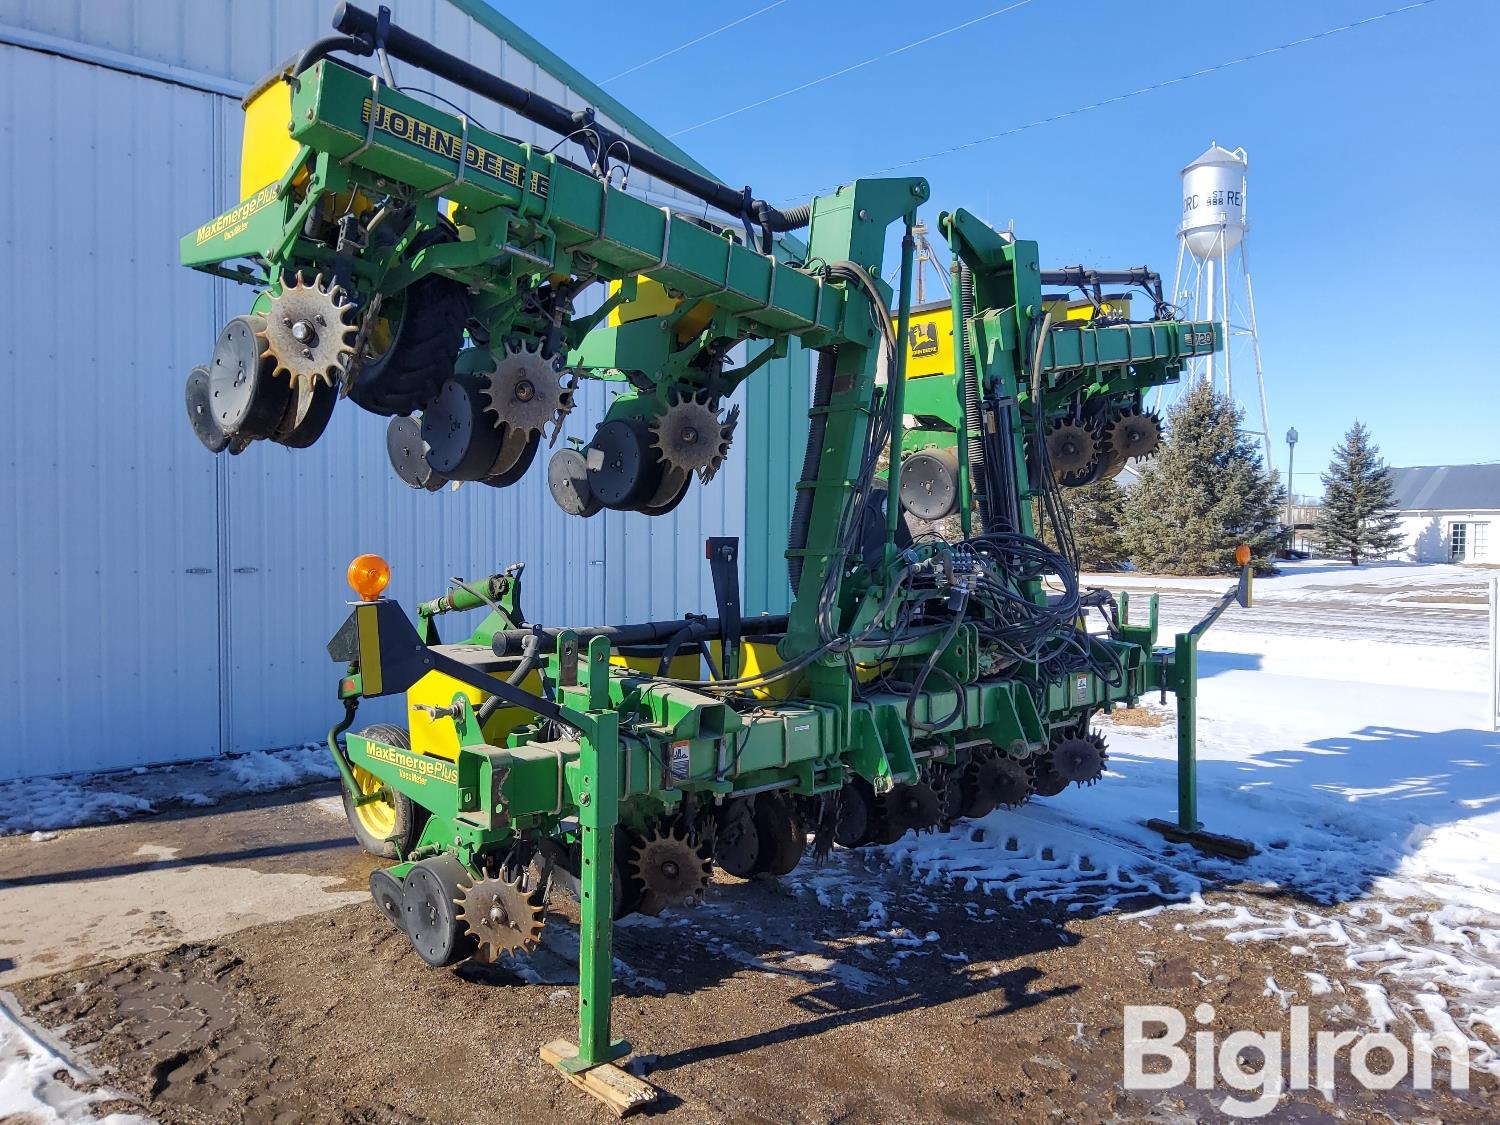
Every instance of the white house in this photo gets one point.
(1450, 513)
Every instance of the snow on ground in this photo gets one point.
(1365, 773)
(30, 1089)
(1313, 577)
(40, 804)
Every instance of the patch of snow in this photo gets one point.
(1281, 994)
(48, 803)
(30, 1090)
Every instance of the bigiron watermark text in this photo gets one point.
(1263, 1065)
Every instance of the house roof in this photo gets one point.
(1448, 488)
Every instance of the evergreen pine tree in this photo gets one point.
(1206, 492)
(1096, 514)
(1359, 518)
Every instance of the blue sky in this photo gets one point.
(1372, 178)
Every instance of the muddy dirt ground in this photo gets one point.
(769, 1003)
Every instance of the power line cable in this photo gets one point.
(693, 42)
(871, 61)
(1147, 89)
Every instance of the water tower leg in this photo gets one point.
(1208, 268)
(1260, 375)
(1228, 340)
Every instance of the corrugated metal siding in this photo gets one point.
(122, 657)
(775, 439)
(110, 658)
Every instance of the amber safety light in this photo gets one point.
(1241, 557)
(369, 575)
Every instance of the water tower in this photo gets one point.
(1213, 279)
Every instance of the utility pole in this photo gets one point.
(925, 256)
(1291, 453)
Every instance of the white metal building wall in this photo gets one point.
(166, 604)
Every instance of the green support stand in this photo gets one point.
(588, 1065)
(1185, 685)
(1181, 678)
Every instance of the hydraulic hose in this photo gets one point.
(531, 654)
(973, 423)
(817, 429)
(794, 218)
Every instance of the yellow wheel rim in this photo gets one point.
(378, 818)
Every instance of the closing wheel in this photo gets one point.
(782, 838)
(390, 897)
(674, 486)
(568, 481)
(307, 413)
(429, 895)
(389, 825)
(408, 454)
(980, 777)
(515, 457)
(859, 815)
(200, 410)
(736, 839)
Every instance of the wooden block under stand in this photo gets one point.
(622, 1091)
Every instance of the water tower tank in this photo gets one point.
(1213, 202)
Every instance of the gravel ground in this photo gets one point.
(764, 1005)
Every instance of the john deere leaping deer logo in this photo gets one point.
(923, 340)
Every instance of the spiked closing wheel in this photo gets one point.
(691, 436)
(310, 331)
(1071, 449)
(1134, 434)
(672, 868)
(1080, 760)
(1010, 783)
(1045, 780)
(501, 914)
(524, 389)
(911, 806)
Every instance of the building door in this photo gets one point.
(1458, 542)
(1479, 547)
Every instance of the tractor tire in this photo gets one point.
(424, 344)
(388, 828)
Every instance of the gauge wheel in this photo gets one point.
(387, 827)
